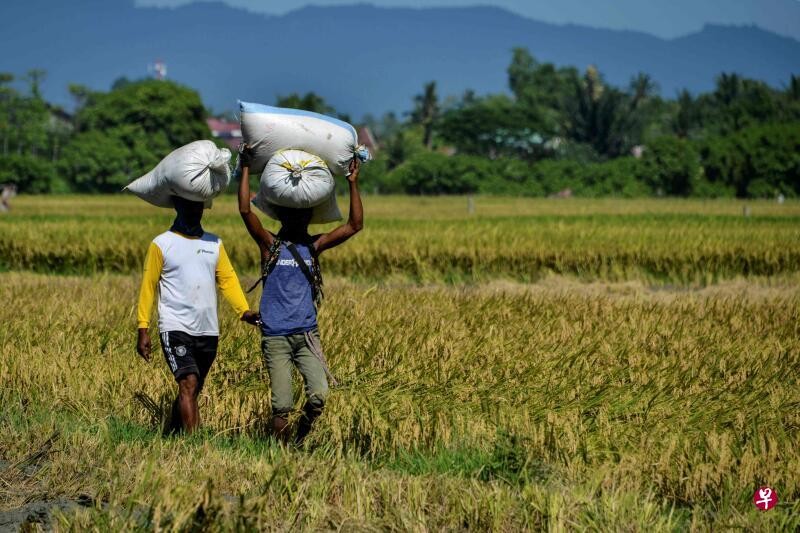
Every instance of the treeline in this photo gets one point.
(757, 161)
(557, 130)
(561, 129)
(109, 140)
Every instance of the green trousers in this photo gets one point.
(281, 354)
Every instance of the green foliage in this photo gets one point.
(793, 90)
(30, 174)
(604, 117)
(23, 118)
(495, 126)
(435, 173)
(31, 134)
(373, 176)
(168, 114)
(758, 161)
(120, 82)
(737, 103)
(671, 166)
(402, 146)
(618, 177)
(553, 176)
(686, 116)
(510, 176)
(558, 129)
(541, 87)
(577, 152)
(124, 133)
(98, 161)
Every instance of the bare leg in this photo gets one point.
(188, 390)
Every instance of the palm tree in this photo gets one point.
(594, 84)
(426, 112)
(601, 116)
(642, 87)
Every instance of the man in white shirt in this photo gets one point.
(186, 264)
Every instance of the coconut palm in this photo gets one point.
(426, 112)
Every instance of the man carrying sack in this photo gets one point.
(186, 264)
(292, 283)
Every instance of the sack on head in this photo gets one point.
(268, 130)
(297, 179)
(198, 171)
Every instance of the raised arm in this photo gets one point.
(355, 220)
(262, 237)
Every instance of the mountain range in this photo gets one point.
(361, 58)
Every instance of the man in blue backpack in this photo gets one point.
(292, 289)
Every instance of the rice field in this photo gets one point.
(433, 240)
(532, 365)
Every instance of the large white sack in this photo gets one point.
(267, 130)
(297, 179)
(294, 178)
(198, 171)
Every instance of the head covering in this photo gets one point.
(188, 217)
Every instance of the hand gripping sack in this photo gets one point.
(198, 171)
(297, 179)
(268, 130)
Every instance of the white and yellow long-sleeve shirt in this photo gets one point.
(186, 270)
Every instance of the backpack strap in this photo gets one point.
(316, 269)
(316, 291)
(268, 265)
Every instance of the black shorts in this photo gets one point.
(188, 354)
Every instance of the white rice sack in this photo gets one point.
(198, 171)
(268, 130)
(293, 178)
(298, 179)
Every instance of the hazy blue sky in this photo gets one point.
(666, 18)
